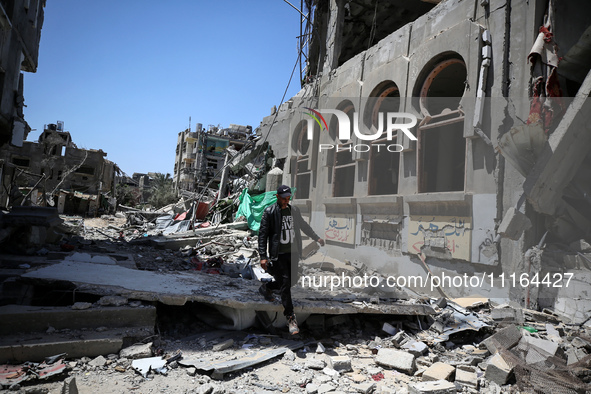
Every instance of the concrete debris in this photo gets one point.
(137, 351)
(438, 371)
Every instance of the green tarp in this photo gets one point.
(252, 207)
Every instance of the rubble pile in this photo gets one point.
(445, 353)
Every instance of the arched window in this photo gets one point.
(441, 143)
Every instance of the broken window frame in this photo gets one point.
(383, 91)
(341, 151)
(301, 168)
(431, 123)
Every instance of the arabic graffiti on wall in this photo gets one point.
(455, 232)
(340, 229)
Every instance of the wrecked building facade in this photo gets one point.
(201, 155)
(76, 181)
(21, 22)
(434, 205)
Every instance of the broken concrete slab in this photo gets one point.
(396, 359)
(137, 351)
(438, 371)
(340, 363)
(180, 287)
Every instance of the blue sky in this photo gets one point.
(125, 76)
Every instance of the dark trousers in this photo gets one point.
(282, 271)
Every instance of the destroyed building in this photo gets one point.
(201, 155)
(478, 187)
(21, 22)
(54, 172)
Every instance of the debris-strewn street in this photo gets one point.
(454, 345)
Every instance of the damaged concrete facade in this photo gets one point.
(201, 155)
(75, 180)
(21, 22)
(435, 206)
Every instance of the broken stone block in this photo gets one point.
(467, 377)
(333, 373)
(320, 348)
(340, 363)
(514, 223)
(388, 328)
(438, 371)
(435, 387)
(396, 359)
(191, 371)
(364, 388)
(137, 351)
(311, 388)
(223, 346)
(498, 370)
(325, 388)
(415, 347)
(100, 361)
(315, 364)
(505, 338)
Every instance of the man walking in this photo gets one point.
(280, 229)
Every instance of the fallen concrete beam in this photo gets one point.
(23, 318)
(35, 347)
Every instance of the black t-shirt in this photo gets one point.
(287, 237)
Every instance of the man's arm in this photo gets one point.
(305, 227)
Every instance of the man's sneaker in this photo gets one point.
(292, 324)
(266, 293)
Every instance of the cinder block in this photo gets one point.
(396, 359)
(340, 363)
(436, 387)
(498, 370)
(438, 371)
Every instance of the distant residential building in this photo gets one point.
(20, 32)
(77, 181)
(200, 155)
